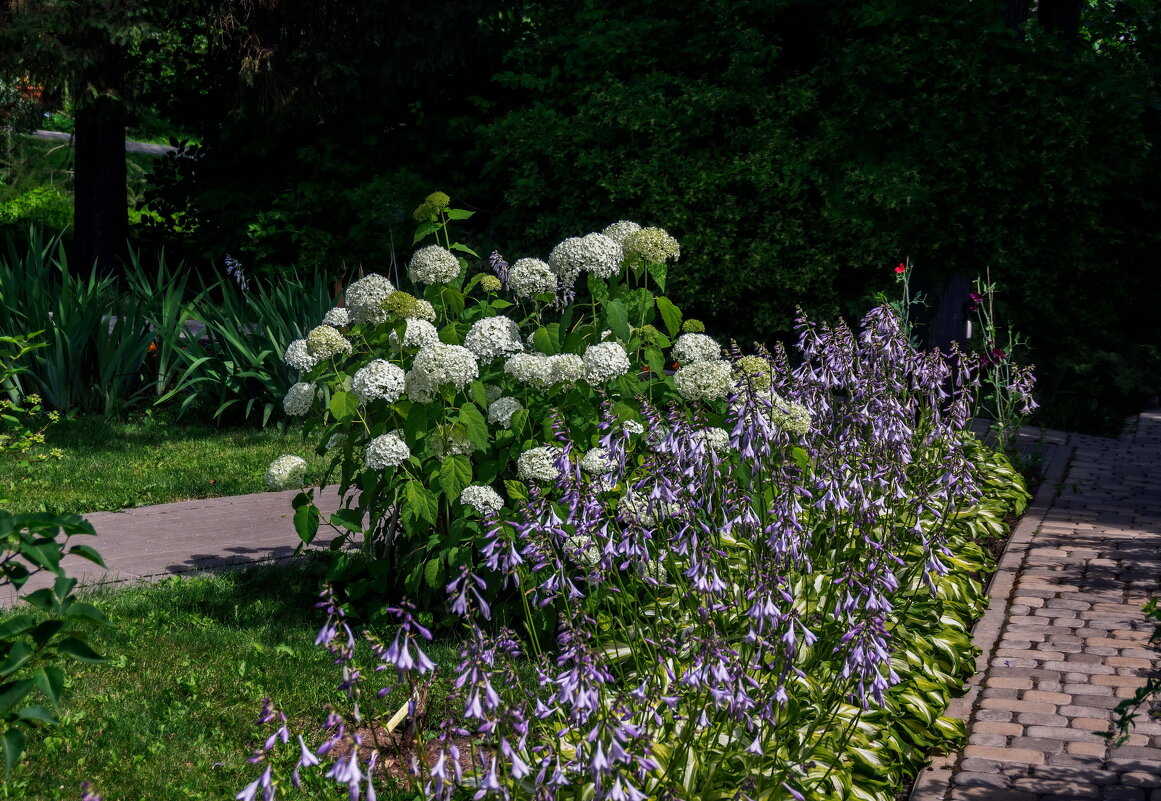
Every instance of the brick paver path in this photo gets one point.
(157, 541)
(1065, 639)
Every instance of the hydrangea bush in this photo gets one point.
(772, 602)
(420, 395)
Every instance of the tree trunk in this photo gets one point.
(100, 206)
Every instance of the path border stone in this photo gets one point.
(933, 782)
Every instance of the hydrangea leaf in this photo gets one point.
(658, 271)
(801, 458)
(479, 394)
(415, 423)
(670, 315)
(516, 489)
(433, 573)
(459, 214)
(455, 473)
(350, 519)
(306, 520)
(653, 357)
(617, 318)
(78, 649)
(598, 288)
(344, 405)
(472, 419)
(420, 503)
(424, 229)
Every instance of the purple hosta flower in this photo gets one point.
(404, 653)
(335, 635)
(868, 660)
(265, 783)
(346, 771)
(498, 265)
(234, 270)
(581, 676)
(87, 793)
(465, 595)
(1023, 379)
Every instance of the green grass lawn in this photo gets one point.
(171, 714)
(110, 465)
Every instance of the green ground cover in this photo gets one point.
(109, 465)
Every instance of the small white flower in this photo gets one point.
(621, 229)
(651, 244)
(633, 427)
(286, 472)
(633, 507)
(416, 334)
(337, 317)
(484, 500)
(690, 348)
(539, 464)
(501, 411)
(325, 341)
(299, 357)
(656, 436)
(605, 361)
(706, 381)
(528, 277)
(714, 439)
(595, 253)
(433, 264)
(788, 415)
(529, 368)
(299, 399)
(387, 450)
(566, 368)
(492, 338)
(417, 388)
(441, 364)
(378, 379)
(583, 551)
(365, 298)
(598, 462)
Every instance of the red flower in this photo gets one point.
(902, 268)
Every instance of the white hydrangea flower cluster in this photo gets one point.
(417, 389)
(387, 450)
(691, 348)
(299, 398)
(595, 253)
(791, 417)
(325, 341)
(433, 264)
(285, 472)
(714, 439)
(651, 244)
(337, 317)
(605, 361)
(501, 411)
(539, 464)
(299, 356)
(657, 435)
(377, 380)
(529, 368)
(583, 551)
(566, 368)
(438, 364)
(365, 298)
(492, 338)
(484, 500)
(706, 381)
(598, 462)
(637, 508)
(620, 230)
(633, 427)
(416, 334)
(450, 440)
(528, 277)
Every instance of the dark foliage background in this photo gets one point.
(799, 149)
